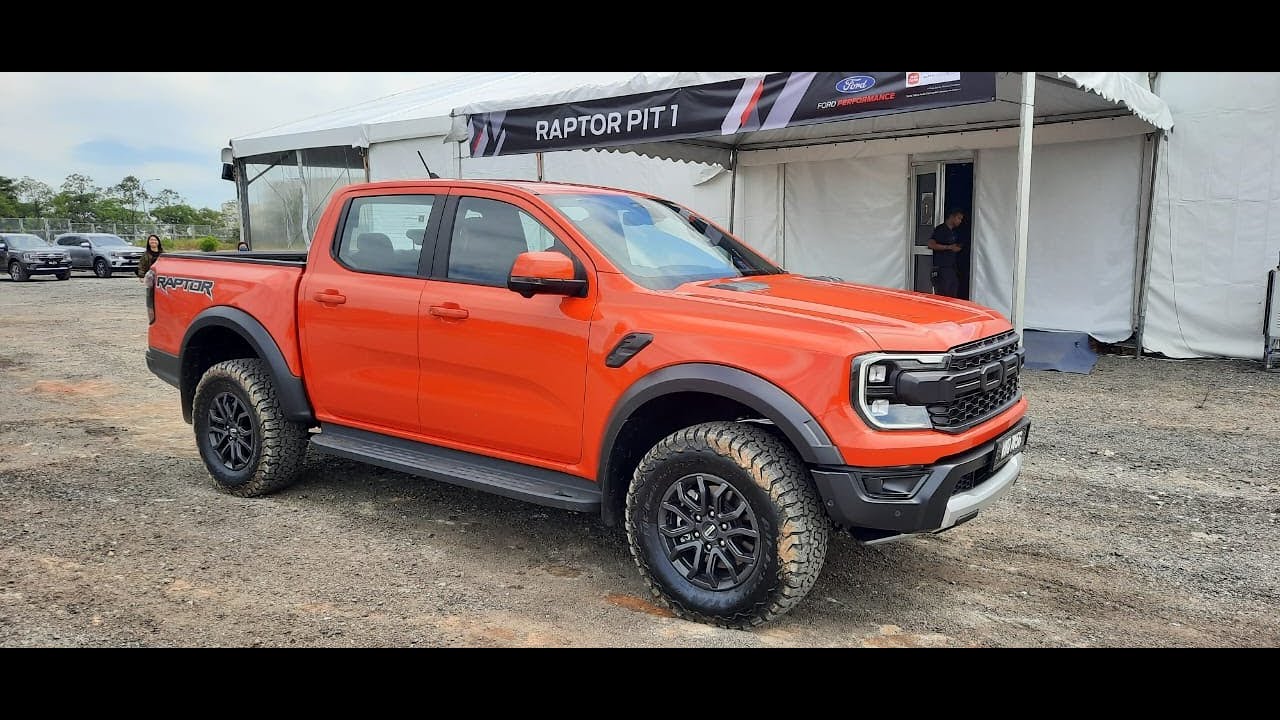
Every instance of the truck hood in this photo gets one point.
(897, 320)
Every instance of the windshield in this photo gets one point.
(24, 242)
(110, 240)
(654, 244)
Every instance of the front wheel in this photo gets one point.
(246, 443)
(64, 275)
(101, 268)
(725, 525)
(18, 272)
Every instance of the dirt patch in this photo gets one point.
(7, 363)
(635, 604)
(1148, 514)
(88, 388)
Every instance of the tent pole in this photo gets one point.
(1146, 245)
(733, 186)
(1025, 123)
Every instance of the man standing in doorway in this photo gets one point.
(946, 276)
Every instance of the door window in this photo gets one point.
(385, 234)
(488, 235)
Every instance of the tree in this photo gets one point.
(9, 204)
(178, 214)
(112, 210)
(130, 192)
(230, 214)
(168, 198)
(77, 184)
(36, 197)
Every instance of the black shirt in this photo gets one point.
(944, 235)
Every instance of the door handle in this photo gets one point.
(450, 310)
(330, 297)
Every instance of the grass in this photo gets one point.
(189, 243)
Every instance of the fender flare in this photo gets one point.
(289, 387)
(772, 402)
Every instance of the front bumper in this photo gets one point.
(117, 262)
(881, 504)
(40, 268)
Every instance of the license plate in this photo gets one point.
(1010, 445)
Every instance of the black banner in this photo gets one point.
(759, 103)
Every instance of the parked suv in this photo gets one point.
(104, 253)
(25, 255)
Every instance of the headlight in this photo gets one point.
(29, 257)
(875, 394)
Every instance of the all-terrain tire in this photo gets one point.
(241, 393)
(762, 470)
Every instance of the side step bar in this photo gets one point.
(501, 477)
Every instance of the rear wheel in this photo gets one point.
(246, 443)
(725, 525)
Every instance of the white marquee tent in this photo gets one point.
(839, 198)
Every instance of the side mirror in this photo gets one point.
(549, 273)
(86, 244)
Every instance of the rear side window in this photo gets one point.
(384, 234)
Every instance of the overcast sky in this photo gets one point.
(170, 126)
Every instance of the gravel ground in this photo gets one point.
(1146, 516)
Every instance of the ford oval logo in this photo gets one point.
(855, 84)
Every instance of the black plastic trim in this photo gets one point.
(801, 428)
(628, 347)
(481, 472)
(849, 504)
(289, 387)
(255, 257)
(165, 366)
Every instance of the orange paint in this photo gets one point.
(480, 368)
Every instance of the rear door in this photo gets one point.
(501, 372)
(358, 311)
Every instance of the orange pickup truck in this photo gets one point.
(604, 351)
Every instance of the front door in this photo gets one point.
(501, 372)
(938, 187)
(358, 313)
(81, 257)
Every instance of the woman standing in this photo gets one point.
(149, 257)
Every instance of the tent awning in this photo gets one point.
(421, 112)
(1063, 97)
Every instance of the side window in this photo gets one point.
(487, 237)
(68, 241)
(384, 234)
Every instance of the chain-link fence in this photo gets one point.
(48, 228)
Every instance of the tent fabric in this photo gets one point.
(1216, 215)
(1120, 87)
(420, 112)
(1083, 235)
(847, 219)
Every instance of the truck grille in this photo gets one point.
(45, 256)
(973, 409)
(974, 404)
